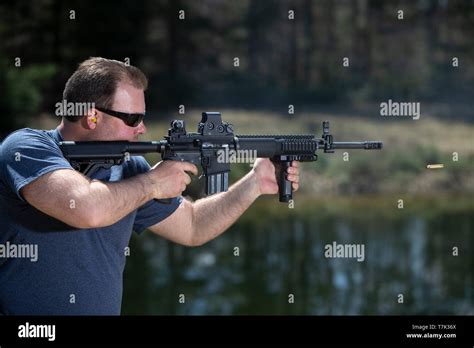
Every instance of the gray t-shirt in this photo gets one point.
(76, 271)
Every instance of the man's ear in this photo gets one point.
(91, 119)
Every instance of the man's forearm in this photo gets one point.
(114, 200)
(213, 215)
(79, 202)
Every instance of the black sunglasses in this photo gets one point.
(131, 120)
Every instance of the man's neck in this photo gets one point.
(67, 133)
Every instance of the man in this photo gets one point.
(81, 226)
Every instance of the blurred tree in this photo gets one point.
(21, 93)
(187, 49)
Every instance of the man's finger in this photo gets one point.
(187, 179)
(295, 164)
(189, 167)
(293, 178)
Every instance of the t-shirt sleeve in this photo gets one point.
(153, 211)
(26, 155)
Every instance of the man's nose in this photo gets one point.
(141, 129)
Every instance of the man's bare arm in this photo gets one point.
(83, 203)
(193, 224)
(79, 202)
(196, 223)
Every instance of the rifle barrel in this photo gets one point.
(367, 145)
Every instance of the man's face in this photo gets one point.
(127, 99)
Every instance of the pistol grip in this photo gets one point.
(285, 189)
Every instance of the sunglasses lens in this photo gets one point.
(134, 120)
(131, 120)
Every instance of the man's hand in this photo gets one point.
(169, 178)
(265, 174)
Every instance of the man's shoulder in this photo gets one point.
(28, 134)
(27, 140)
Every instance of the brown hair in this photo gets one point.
(96, 79)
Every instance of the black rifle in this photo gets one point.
(213, 139)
